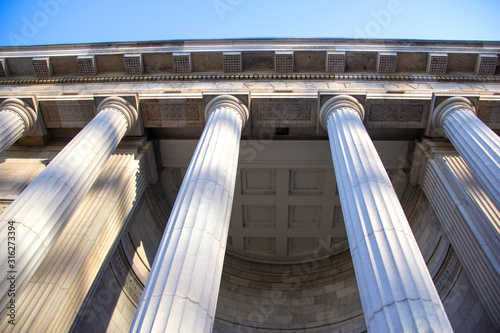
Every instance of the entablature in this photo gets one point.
(288, 59)
(278, 110)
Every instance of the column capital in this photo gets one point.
(23, 110)
(336, 103)
(228, 101)
(123, 106)
(452, 104)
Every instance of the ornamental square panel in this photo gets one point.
(304, 216)
(390, 113)
(67, 113)
(4, 71)
(302, 246)
(133, 63)
(42, 67)
(258, 181)
(182, 62)
(335, 62)
(386, 63)
(86, 65)
(260, 245)
(486, 64)
(437, 63)
(489, 113)
(283, 62)
(172, 112)
(284, 112)
(259, 216)
(232, 62)
(307, 182)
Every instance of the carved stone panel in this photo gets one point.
(489, 113)
(284, 112)
(172, 112)
(396, 114)
(67, 113)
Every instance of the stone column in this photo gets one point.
(478, 145)
(16, 119)
(396, 289)
(41, 211)
(182, 288)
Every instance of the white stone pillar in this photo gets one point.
(16, 119)
(478, 145)
(396, 289)
(182, 288)
(41, 211)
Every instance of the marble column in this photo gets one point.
(396, 289)
(39, 214)
(183, 285)
(478, 145)
(16, 119)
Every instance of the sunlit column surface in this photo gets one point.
(40, 212)
(397, 292)
(478, 145)
(183, 285)
(16, 119)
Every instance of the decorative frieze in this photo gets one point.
(381, 112)
(290, 112)
(67, 114)
(490, 115)
(172, 113)
(396, 113)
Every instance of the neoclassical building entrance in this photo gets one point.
(250, 186)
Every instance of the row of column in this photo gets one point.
(397, 292)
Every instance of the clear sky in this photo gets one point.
(35, 22)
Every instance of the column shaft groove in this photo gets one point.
(478, 145)
(183, 285)
(43, 208)
(397, 292)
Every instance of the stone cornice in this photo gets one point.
(254, 58)
(270, 44)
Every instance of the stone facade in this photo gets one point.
(266, 185)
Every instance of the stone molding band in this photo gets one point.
(123, 106)
(346, 77)
(228, 101)
(336, 103)
(23, 110)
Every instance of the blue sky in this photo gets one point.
(27, 22)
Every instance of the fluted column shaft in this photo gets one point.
(41, 211)
(396, 289)
(16, 119)
(478, 145)
(183, 285)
